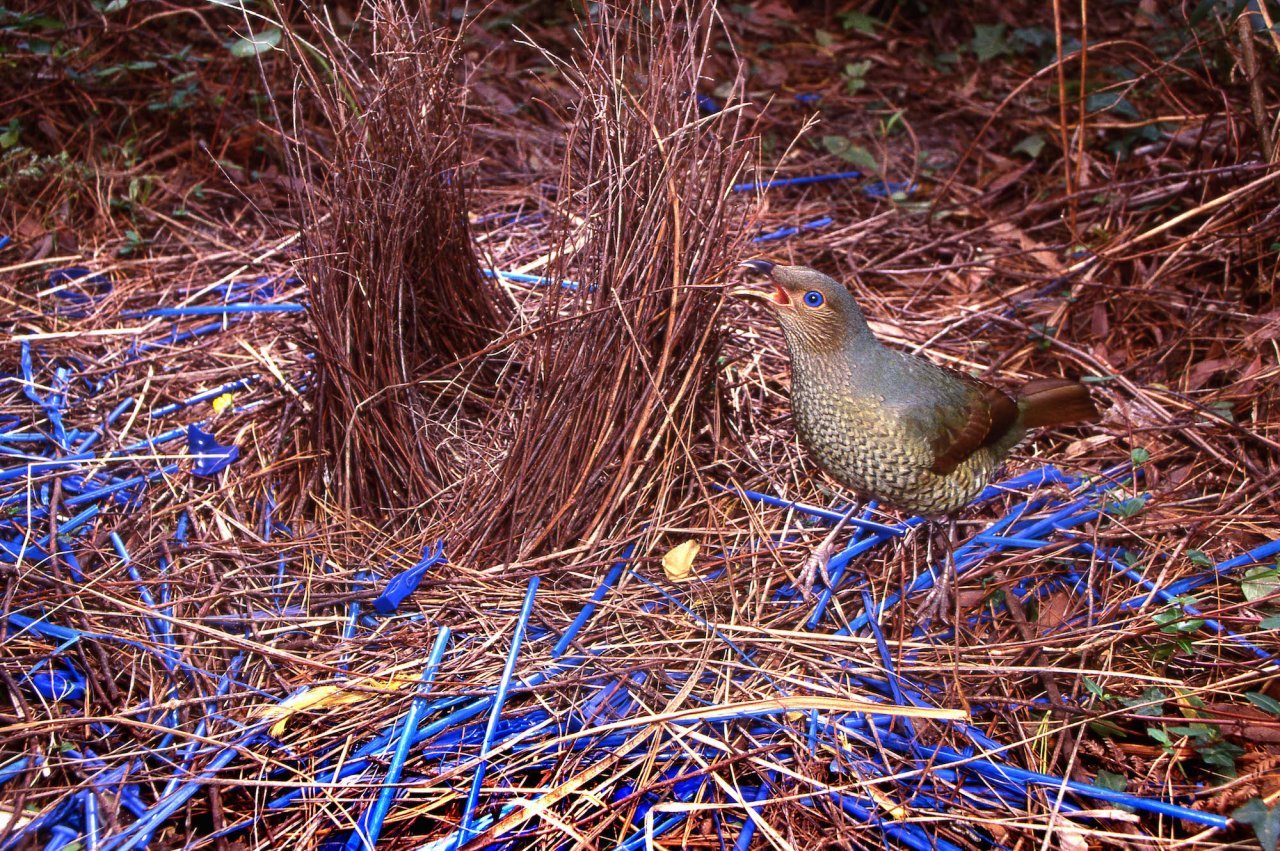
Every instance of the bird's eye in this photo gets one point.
(813, 298)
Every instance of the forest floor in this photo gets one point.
(213, 638)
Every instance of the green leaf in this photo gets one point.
(1111, 102)
(1109, 780)
(1259, 582)
(1151, 703)
(989, 41)
(851, 153)
(1264, 820)
(12, 133)
(1264, 702)
(1199, 732)
(1096, 690)
(1127, 507)
(1139, 455)
(1221, 754)
(1031, 146)
(1201, 11)
(1175, 621)
(855, 20)
(1198, 557)
(824, 38)
(1160, 736)
(1272, 622)
(856, 76)
(1033, 36)
(1108, 729)
(253, 45)
(115, 6)
(1224, 410)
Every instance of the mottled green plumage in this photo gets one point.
(895, 426)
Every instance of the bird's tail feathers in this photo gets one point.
(1048, 402)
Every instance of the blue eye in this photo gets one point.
(813, 298)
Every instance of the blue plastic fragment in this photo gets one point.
(79, 286)
(589, 609)
(522, 278)
(749, 823)
(889, 188)
(405, 583)
(52, 404)
(229, 387)
(57, 682)
(214, 457)
(783, 232)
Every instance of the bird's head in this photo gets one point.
(816, 312)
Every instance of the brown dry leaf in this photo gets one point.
(1053, 611)
(1037, 251)
(1085, 445)
(677, 564)
(1206, 369)
(1247, 722)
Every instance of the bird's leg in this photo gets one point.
(939, 602)
(816, 564)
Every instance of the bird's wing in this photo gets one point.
(965, 416)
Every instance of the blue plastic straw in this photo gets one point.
(465, 829)
(590, 608)
(97, 433)
(229, 387)
(751, 817)
(797, 181)
(370, 826)
(784, 232)
(521, 278)
(215, 310)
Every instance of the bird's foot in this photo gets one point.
(814, 566)
(939, 603)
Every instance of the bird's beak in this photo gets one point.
(777, 298)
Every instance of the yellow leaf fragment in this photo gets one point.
(678, 562)
(221, 403)
(326, 697)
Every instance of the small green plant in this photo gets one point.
(859, 22)
(1130, 507)
(851, 153)
(855, 76)
(989, 42)
(11, 134)
(133, 242)
(1215, 752)
(1174, 621)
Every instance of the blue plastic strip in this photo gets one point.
(465, 829)
(215, 310)
(589, 609)
(370, 826)
(797, 181)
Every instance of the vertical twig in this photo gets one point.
(1257, 100)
